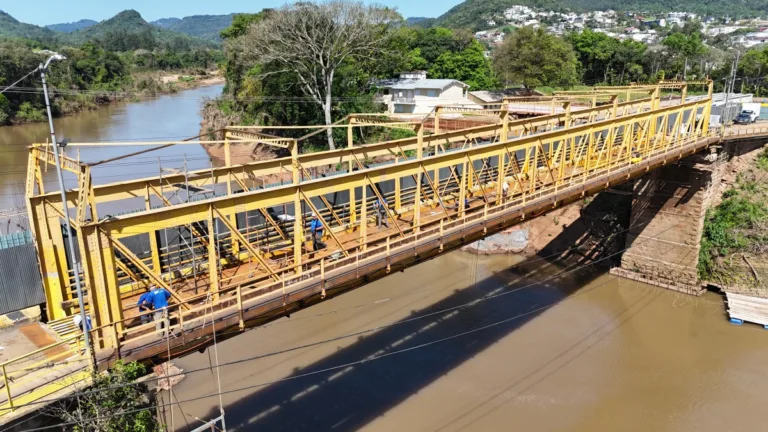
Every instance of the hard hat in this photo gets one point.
(77, 319)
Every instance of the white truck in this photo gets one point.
(749, 113)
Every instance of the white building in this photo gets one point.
(414, 93)
(714, 31)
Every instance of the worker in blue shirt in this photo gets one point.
(160, 298)
(316, 228)
(78, 320)
(145, 304)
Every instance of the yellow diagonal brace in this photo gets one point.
(474, 174)
(432, 186)
(144, 269)
(380, 198)
(128, 271)
(200, 236)
(325, 201)
(325, 224)
(234, 231)
(271, 221)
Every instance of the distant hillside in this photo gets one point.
(10, 27)
(165, 23)
(475, 13)
(127, 26)
(73, 26)
(205, 27)
(415, 20)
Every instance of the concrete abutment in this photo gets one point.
(669, 207)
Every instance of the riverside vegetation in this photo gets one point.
(263, 88)
(118, 59)
(738, 227)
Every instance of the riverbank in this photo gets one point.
(734, 253)
(140, 86)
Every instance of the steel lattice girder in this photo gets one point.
(187, 213)
(137, 188)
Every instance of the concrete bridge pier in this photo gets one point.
(668, 211)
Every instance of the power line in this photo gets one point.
(362, 332)
(6, 88)
(341, 366)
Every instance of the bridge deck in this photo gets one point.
(547, 162)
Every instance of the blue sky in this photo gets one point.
(44, 12)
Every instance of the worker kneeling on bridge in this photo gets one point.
(159, 298)
(316, 228)
(145, 304)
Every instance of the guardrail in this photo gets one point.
(42, 372)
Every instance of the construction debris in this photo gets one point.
(168, 369)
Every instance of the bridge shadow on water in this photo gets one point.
(349, 397)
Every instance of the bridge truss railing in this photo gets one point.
(89, 200)
(545, 160)
(535, 165)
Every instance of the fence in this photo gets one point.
(20, 284)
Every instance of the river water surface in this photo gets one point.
(467, 343)
(459, 343)
(168, 117)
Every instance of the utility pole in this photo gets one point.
(71, 244)
(730, 86)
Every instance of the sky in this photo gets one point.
(44, 12)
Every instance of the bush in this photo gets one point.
(731, 227)
(28, 113)
(5, 109)
(762, 160)
(102, 410)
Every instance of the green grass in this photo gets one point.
(738, 225)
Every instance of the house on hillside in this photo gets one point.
(414, 93)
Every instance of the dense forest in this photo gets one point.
(119, 58)
(475, 13)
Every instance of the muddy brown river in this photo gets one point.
(460, 343)
(467, 343)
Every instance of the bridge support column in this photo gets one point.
(668, 212)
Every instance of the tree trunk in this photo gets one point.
(327, 109)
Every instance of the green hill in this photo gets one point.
(128, 30)
(475, 13)
(10, 27)
(206, 27)
(73, 26)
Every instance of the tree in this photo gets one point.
(683, 48)
(312, 41)
(116, 393)
(469, 66)
(240, 23)
(532, 57)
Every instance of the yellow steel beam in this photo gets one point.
(247, 244)
(41, 152)
(136, 188)
(325, 224)
(184, 213)
(156, 278)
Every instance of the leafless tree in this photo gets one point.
(312, 40)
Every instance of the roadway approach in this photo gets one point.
(232, 245)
